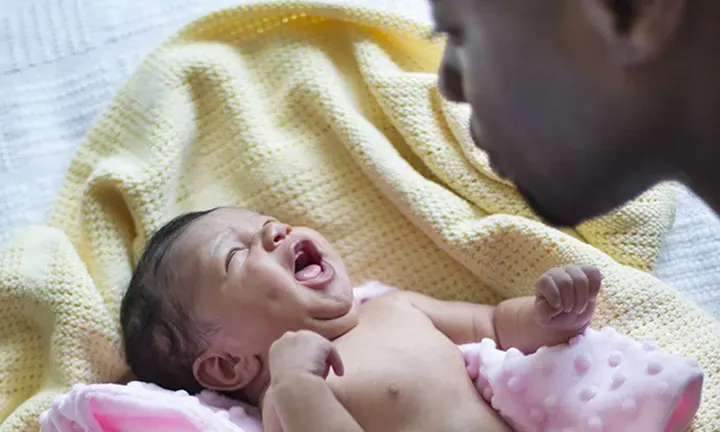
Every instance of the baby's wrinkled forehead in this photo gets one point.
(200, 250)
(219, 223)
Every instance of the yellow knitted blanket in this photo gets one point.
(322, 115)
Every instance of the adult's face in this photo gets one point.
(569, 98)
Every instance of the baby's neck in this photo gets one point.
(254, 393)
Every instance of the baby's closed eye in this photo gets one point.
(231, 255)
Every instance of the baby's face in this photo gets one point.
(256, 278)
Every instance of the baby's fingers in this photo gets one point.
(544, 312)
(548, 290)
(565, 284)
(580, 287)
(335, 362)
(594, 278)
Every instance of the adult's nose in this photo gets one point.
(450, 77)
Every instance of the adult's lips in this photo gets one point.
(496, 167)
(484, 146)
(548, 216)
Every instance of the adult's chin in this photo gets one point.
(553, 214)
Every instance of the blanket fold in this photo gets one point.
(325, 115)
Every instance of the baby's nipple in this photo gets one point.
(393, 390)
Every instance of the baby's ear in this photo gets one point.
(224, 371)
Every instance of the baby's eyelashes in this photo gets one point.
(268, 222)
(231, 255)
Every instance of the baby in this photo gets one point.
(238, 302)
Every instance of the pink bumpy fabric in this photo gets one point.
(143, 407)
(600, 382)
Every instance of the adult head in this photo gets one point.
(584, 104)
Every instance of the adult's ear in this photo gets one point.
(224, 371)
(635, 30)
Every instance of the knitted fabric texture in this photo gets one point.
(322, 115)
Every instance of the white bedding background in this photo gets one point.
(62, 60)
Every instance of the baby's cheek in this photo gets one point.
(279, 300)
(266, 280)
(271, 294)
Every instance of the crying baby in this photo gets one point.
(241, 303)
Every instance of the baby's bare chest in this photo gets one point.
(401, 374)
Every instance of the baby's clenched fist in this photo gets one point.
(566, 296)
(303, 352)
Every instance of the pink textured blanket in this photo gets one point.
(600, 381)
(142, 407)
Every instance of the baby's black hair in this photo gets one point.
(161, 335)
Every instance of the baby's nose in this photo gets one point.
(275, 233)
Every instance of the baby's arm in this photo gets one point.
(306, 403)
(562, 308)
(298, 398)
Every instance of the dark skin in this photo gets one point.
(585, 104)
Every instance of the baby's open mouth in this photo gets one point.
(310, 268)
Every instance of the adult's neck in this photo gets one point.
(697, 80)
(698, 151)
(703, 178)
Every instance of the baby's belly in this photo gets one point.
(401, 374)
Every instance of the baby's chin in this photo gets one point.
(333, 328)
(334, 302)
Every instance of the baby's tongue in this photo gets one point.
(310, 272)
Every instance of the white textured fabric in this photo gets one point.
(690, 255)
(62, 60)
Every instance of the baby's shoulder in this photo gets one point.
(371, 290)
(382, 294)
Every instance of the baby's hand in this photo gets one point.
(566, 297)
(303, 352)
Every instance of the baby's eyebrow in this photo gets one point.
(220, 239)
